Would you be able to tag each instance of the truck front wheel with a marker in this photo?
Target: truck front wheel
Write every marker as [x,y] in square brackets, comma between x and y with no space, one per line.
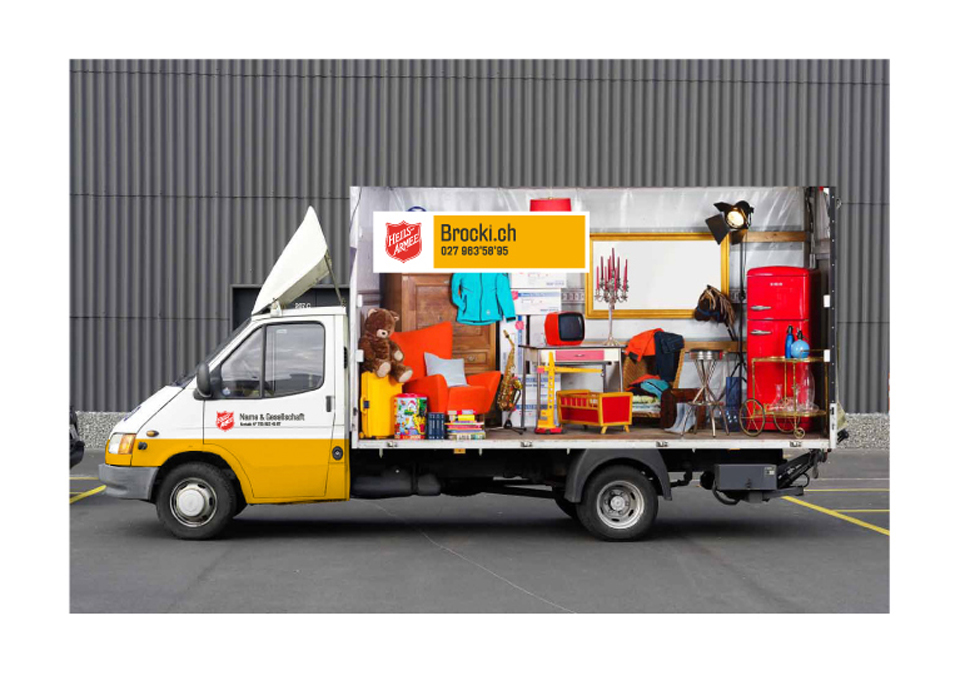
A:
[619,504]
[196,501]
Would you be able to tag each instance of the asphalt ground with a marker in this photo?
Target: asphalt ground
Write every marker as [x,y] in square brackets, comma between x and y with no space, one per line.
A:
[828,551]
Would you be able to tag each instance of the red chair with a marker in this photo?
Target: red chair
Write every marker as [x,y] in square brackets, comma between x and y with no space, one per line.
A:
[438,340]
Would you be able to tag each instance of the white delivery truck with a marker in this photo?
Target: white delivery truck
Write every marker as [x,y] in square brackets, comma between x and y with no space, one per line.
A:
[272,416]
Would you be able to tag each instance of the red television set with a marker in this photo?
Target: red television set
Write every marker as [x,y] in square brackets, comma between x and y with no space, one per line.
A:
[564,328]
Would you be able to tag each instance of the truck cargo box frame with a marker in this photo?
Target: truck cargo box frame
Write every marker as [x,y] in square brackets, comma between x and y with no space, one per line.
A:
[361,299]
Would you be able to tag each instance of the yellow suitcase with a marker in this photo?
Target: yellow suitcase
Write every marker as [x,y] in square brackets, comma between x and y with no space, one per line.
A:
[376,405]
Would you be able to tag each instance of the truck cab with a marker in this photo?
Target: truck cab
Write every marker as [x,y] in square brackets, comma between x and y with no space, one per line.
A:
[261,419]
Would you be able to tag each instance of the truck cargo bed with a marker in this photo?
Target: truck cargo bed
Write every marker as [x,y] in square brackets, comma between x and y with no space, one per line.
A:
[640,437]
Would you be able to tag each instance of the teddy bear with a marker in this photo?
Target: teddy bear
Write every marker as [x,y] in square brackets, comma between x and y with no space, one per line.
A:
[381,355]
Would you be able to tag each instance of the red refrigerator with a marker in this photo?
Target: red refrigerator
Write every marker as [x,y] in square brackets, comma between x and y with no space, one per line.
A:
[777,298]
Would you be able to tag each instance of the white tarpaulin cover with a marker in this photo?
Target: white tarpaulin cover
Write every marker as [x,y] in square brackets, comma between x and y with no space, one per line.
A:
[611,210]
[301,265]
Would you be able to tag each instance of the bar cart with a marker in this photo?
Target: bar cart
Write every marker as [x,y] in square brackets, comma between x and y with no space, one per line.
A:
[754,414]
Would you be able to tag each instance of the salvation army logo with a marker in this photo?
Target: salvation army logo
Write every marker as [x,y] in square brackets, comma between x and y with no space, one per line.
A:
[403,241]
[224,420]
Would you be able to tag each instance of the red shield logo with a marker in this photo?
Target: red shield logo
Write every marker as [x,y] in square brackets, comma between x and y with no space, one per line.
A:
[403,241]
[224,420]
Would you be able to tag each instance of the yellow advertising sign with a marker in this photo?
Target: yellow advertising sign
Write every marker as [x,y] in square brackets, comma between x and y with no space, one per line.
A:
[410,242]
[511,241]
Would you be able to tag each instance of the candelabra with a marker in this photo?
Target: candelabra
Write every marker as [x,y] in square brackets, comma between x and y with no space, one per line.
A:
[611,288]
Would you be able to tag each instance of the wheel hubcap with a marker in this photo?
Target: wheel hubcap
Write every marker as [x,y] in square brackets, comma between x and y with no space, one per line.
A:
[620,505]
[193,502]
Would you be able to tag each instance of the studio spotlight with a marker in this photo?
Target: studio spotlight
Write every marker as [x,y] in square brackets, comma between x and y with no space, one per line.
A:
[731,219]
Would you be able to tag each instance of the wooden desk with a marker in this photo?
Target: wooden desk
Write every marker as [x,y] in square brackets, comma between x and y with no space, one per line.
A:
[586,353]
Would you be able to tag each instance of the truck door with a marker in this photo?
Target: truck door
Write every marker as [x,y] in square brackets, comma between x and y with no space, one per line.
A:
[273,407]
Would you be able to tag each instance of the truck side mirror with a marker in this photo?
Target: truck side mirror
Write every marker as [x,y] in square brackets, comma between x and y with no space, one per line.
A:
[203,381]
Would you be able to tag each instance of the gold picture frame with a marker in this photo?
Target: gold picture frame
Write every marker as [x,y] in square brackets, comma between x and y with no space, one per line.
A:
[601,312]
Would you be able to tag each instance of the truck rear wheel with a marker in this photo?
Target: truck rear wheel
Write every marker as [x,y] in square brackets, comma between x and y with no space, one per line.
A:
[619,504]
[196,501]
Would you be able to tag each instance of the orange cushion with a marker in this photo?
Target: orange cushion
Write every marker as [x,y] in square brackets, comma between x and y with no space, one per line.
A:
[436,339]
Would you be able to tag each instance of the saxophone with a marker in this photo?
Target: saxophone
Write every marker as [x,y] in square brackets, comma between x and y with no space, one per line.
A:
[509,391]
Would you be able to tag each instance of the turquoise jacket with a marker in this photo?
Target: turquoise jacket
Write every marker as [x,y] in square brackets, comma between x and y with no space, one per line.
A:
[482,298]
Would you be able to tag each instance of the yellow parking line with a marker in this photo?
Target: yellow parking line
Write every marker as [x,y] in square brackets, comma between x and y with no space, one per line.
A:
[84,478]
[88,493]
[837,514]
[863,510]
[848,490]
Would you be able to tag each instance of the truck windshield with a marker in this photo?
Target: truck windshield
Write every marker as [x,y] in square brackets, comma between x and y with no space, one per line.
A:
[184,379]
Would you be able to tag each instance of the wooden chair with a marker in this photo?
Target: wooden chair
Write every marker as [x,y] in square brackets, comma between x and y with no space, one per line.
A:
[644,366]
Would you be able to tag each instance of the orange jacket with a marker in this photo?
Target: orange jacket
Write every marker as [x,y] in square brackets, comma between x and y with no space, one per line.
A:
[642,344]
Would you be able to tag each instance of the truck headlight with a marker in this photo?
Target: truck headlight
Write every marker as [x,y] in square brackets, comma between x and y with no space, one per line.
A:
[121,444]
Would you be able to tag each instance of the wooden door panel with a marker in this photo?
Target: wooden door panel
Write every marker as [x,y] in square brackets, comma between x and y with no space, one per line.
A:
[474,360]
[423,300]
[432,305]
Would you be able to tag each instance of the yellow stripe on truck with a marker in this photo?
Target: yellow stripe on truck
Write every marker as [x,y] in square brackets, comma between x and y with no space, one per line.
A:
[269,470]
[117,460]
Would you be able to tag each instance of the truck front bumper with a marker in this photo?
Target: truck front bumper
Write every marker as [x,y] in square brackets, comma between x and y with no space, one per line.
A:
[128,482]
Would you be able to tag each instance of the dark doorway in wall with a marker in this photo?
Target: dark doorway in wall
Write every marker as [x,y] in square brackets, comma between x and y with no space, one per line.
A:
[243,297]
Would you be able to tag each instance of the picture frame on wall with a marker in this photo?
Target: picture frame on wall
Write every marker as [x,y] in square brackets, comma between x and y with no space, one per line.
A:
[667,272]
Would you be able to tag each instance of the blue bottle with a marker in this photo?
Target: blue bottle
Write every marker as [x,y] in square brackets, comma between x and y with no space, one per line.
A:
[788,347]
[800,349]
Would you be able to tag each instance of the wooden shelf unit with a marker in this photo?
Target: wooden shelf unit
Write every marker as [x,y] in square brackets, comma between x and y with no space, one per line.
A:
[423,300]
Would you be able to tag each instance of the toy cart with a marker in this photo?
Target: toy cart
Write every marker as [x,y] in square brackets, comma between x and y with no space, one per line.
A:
[594,409]
[754,414]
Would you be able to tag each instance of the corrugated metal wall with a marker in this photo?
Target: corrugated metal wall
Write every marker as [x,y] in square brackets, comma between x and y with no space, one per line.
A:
[189,176]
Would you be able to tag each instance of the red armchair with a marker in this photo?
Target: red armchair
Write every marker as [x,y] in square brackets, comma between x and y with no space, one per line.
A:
[438,340]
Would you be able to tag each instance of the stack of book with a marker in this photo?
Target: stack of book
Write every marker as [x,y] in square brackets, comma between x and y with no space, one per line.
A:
[462,425]
[435,428]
